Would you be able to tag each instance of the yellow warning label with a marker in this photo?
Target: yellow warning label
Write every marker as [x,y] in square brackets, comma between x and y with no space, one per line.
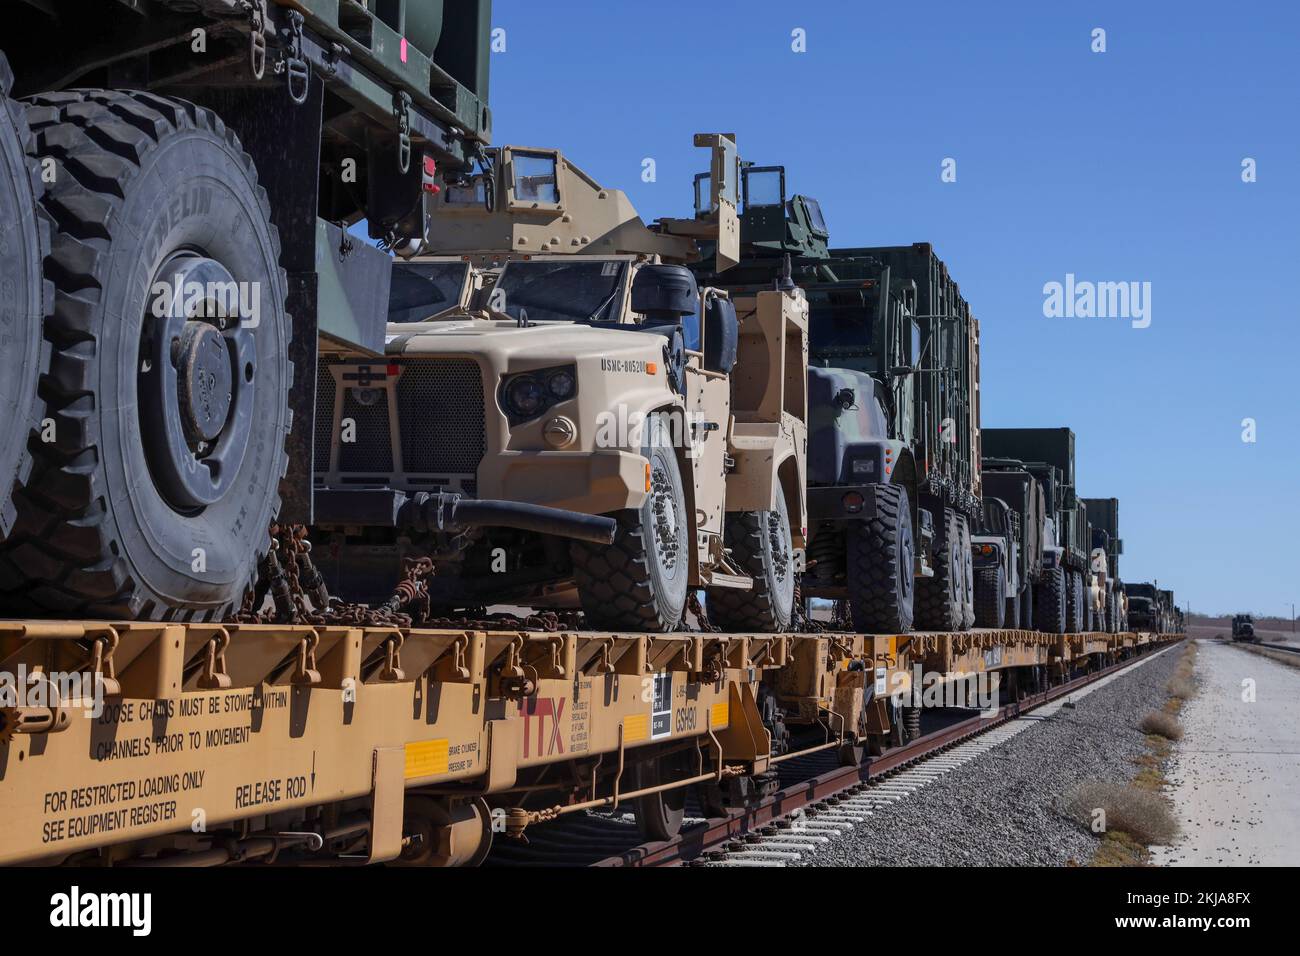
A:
[636,727]
[426,758]
[720,714]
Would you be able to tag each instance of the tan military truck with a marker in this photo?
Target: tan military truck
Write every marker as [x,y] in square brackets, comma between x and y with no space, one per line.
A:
[563,418]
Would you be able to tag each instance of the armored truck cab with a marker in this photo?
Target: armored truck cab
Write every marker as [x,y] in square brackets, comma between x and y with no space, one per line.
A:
[589,428]
[1243,628]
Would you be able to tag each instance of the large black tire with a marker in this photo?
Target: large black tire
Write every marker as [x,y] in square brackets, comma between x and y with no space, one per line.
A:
[1027,607]
[1073,602]
[1049,602]
[991,597]
[639,582]
[939,598]
[761,545]
[881,566]
[25,296]
[968,575]
[1012,617]
[146,186]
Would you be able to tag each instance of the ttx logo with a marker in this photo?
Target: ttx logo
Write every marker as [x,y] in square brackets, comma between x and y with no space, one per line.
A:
[542,708]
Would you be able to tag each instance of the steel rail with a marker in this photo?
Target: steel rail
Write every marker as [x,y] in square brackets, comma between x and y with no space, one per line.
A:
[1289,648]
[693,844]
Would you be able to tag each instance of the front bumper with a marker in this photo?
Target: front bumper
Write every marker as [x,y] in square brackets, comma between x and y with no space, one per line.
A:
[386,508]
[591,482]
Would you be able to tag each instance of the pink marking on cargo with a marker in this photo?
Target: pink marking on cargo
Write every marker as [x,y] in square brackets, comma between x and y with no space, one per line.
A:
[403,49]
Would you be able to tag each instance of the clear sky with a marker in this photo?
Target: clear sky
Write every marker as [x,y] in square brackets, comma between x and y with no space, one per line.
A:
[1115,166]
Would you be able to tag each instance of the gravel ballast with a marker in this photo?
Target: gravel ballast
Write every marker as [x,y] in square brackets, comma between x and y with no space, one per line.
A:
[1001,809]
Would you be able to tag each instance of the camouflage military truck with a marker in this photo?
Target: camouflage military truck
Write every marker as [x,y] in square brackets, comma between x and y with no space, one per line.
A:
[1171,615]
[893,463]
[1034,488]
[1145,608]
[187,171]
[1048,454]
[571,419]
[1243,628]
[1107,546]
[1008,545]
[995,550]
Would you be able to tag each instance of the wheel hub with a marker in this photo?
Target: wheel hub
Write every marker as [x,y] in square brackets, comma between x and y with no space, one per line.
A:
[906,564]
[665,514]
[204,382]
[197,378]
[779,541]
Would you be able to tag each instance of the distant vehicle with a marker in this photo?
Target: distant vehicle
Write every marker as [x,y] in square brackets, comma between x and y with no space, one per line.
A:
[1243,628]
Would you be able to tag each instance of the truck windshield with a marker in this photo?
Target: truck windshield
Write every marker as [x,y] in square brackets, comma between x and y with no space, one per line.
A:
[551,291]
[423,289]
[841,327]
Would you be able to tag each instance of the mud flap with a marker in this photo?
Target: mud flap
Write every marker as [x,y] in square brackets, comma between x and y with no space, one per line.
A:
[387,804]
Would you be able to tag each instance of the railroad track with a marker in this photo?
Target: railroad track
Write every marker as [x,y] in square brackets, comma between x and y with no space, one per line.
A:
[1289,648]
[817,801]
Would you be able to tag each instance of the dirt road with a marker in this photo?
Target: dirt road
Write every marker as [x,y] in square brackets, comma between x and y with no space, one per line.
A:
[1236,772]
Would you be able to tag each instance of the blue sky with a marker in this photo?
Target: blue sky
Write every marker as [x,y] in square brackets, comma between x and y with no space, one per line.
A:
[1115,166]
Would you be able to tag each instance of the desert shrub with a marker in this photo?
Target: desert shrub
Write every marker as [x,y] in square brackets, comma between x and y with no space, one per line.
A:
[1161,724]
[1142,814]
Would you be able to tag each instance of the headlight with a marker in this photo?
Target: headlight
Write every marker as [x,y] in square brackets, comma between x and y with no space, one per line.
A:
[864,466]
[528,395]
[525,397]
[562,385]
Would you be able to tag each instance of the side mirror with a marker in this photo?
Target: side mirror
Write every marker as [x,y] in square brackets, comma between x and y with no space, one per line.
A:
[721,335]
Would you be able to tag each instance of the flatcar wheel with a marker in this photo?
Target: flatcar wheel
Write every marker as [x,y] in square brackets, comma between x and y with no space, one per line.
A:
[659,815]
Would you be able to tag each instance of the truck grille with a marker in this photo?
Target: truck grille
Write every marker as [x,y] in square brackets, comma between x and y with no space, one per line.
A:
[372,452]
[441,418]
[326,391]
[440,406]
